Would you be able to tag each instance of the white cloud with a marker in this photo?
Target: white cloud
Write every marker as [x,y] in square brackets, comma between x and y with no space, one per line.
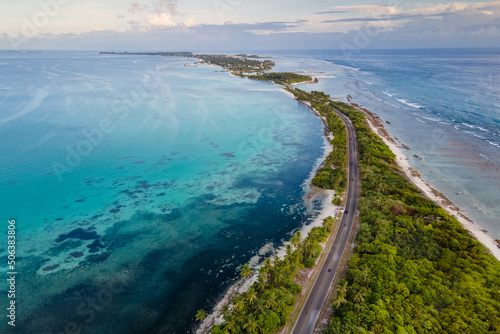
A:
[189,22]
[137,7]
[162,19]
[369,9]
[453,24]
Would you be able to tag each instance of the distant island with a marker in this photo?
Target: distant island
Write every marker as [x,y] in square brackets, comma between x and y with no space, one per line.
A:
[238,63]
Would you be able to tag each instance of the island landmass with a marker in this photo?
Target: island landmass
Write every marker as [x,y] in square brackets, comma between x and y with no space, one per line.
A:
[414,267]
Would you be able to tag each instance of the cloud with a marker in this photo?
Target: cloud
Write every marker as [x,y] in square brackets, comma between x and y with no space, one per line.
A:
[386,18]
[161,19]
[172,8]
[137,7]
[156,13]
[154,27]
[369,9]
[189,22]
[155,7]
[165,6]
[267,28]
[332,12]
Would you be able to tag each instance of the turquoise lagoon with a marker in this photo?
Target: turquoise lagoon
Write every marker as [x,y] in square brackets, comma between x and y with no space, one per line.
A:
[139,185]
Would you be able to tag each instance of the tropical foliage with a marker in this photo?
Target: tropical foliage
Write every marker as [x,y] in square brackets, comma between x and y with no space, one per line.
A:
[282,78]
[266,305]
[236,63]
[333,174]
[415,269]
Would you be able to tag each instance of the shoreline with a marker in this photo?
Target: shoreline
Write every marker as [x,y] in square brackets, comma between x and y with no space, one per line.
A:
[313,81]
[311,193]
[328,209]
[475,230]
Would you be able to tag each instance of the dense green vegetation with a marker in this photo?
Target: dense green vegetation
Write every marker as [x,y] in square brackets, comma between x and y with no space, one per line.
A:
[249,56]
[165,54]
[237,64]
[333,174]
[415,269]
[266,306]
[282,78]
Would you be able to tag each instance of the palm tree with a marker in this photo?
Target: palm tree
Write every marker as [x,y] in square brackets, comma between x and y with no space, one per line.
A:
[239,305]
[259,307]
[339,300]
[382,187]
[295,270]
[297,258]
[225,310]
[230,325]
[246,271]
[296,239]
[260,285]
[201,315]
[364,290]
[366,271]
[306,248]
[359,297]
[252,296]
[240,318]
[267,269]
[252,325]
[377,202]
[278,278]
[271,300]
[289,251]
[342,288]
[287,270]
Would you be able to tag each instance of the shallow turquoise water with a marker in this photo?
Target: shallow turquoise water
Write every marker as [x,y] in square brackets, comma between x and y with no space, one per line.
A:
[139,185]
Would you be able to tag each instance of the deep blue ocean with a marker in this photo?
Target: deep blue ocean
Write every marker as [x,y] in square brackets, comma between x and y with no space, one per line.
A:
[139,184]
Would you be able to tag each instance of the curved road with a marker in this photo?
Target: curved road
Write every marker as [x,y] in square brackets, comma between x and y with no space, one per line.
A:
[309,315]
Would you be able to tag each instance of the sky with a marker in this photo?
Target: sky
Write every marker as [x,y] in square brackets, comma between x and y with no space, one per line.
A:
[238,25]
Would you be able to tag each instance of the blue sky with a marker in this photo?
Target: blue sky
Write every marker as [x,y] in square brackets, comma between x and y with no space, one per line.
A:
[244,25]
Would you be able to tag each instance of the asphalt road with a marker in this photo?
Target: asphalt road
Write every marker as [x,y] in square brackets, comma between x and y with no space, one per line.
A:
[309,315]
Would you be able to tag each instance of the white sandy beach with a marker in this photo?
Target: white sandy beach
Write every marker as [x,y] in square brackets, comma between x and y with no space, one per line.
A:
[476,231]
[329,209]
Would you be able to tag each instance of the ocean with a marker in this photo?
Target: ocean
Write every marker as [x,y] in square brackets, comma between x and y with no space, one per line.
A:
[444,104]
[139,186]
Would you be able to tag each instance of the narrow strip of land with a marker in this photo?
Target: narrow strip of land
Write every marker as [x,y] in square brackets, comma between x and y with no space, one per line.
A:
[309,315]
